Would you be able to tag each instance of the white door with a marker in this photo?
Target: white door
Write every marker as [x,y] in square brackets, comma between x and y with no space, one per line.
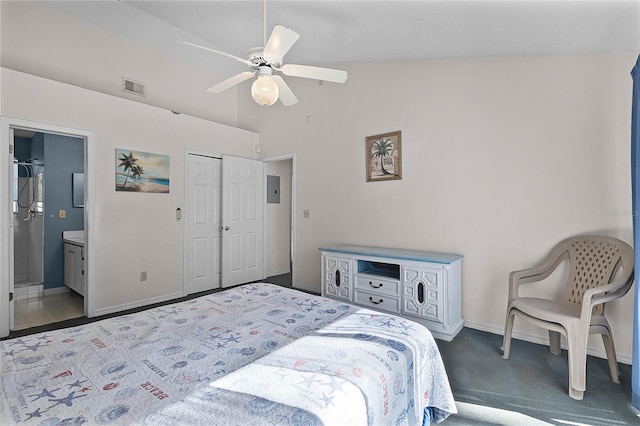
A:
[242,212]
[204,187]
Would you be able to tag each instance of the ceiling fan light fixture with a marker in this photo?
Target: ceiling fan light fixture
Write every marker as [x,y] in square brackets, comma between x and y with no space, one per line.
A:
[264,89]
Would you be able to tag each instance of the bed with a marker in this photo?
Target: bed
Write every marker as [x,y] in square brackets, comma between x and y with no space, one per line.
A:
[257,354]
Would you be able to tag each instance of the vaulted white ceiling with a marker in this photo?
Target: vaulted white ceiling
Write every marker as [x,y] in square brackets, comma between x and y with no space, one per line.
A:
[80,42]
[354,31]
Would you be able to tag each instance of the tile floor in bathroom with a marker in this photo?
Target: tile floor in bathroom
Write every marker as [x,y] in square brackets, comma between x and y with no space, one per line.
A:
[41,310]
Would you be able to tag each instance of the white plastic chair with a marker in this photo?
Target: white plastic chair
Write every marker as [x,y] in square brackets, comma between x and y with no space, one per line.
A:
[600,270]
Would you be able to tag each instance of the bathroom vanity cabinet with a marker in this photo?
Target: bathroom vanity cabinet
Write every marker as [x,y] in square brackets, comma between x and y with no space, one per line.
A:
[74,266]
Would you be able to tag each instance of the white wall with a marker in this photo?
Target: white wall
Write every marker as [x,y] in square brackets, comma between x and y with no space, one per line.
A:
[38,39]
[278,222]
[502,157]
[133,232]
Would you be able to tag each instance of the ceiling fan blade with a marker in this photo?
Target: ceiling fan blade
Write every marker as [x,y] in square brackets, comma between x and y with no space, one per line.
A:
[219,52]
[280,41]
[230,82]
[286,95]
[317,73]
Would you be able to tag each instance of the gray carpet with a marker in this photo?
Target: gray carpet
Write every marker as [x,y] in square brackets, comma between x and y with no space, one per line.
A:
[530,387]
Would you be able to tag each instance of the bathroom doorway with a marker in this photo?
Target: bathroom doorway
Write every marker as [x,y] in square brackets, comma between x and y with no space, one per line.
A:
[47,170]
[8,126]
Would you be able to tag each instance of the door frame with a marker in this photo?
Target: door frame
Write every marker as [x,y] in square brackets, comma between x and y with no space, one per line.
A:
[6,212]
[292,243]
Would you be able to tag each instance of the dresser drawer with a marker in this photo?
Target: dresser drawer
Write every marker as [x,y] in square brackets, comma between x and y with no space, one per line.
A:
[377,285]
[377,301]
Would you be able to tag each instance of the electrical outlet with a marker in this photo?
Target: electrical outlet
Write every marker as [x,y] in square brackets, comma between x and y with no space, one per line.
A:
[143,276]
[305,213]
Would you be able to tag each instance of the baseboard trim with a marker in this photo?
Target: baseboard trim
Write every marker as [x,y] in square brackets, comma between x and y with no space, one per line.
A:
[56,290]
[274,274]
[307,288]
[137,304]
[600,353]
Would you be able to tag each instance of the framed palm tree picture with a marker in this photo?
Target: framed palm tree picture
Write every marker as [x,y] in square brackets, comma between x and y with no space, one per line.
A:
[138,171]
[384,157]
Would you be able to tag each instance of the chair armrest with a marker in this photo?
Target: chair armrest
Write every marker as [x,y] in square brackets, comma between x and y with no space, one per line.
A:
[536,273]
[604,294]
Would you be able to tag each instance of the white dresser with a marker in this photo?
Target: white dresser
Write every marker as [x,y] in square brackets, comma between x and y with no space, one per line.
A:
[420,285]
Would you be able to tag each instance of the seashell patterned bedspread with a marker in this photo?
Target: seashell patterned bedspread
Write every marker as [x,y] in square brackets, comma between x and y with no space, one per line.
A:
[256,354]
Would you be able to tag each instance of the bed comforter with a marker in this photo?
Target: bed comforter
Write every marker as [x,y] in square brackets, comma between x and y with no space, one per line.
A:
[257,354]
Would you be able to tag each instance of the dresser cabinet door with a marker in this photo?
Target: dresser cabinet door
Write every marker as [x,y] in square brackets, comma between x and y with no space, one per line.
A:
[338,277]
[423,292]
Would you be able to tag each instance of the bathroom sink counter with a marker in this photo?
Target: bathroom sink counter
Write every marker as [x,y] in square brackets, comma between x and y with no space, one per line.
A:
[73,237]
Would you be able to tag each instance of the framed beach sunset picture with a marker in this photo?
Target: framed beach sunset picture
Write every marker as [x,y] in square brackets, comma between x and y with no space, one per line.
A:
[138,171]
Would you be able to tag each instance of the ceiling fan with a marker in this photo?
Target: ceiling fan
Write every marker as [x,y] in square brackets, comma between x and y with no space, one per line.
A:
[265,62]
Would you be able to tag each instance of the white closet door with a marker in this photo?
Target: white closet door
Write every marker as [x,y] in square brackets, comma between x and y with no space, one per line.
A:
[242,220]
[203,216]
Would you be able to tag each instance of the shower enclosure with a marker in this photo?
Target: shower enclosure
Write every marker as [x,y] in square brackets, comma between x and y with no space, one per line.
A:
[28,226]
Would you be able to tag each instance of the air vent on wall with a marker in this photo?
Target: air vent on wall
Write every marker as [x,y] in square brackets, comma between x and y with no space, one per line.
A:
[134,87]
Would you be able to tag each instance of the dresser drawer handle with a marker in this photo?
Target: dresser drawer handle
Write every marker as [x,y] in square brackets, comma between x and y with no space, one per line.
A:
[374,302]
[371,284]
[420,292]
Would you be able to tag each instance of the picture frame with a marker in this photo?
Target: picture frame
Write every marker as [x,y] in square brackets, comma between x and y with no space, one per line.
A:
[138,171]
[384,157]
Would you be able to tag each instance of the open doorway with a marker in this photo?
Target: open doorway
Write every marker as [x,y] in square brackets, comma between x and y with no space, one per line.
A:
[44,202]
[279,220]
[47,206]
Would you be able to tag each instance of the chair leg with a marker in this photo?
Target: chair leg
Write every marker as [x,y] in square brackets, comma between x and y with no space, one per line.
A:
[577,354]
[508,330]
[610,349]
[554,342]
